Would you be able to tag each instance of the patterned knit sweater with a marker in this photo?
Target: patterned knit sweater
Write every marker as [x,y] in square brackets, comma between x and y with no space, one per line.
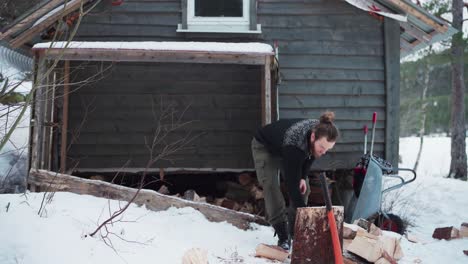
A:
[289,139]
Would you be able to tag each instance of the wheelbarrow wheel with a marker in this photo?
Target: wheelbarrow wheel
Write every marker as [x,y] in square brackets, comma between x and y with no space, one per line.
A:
[390,222]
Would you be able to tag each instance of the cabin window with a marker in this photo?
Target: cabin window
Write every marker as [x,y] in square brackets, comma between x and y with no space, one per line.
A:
[219,16]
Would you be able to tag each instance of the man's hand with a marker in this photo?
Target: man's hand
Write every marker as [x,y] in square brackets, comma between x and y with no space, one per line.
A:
[302,186]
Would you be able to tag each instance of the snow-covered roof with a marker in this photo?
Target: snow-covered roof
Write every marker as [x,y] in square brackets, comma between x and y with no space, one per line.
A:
[210,47]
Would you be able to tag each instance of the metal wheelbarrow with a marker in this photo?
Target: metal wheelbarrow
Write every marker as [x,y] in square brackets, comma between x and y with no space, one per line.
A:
[368,188]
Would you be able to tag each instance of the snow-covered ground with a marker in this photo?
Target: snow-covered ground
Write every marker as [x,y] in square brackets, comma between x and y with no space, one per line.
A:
[144,236]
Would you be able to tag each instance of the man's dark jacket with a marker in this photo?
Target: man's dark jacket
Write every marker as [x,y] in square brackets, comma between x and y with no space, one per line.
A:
[290,140]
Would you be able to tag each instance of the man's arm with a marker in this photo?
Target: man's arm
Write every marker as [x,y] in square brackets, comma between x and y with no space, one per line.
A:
[292,166]
[306,168]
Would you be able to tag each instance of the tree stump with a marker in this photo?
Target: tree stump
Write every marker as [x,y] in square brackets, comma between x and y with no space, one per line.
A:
[312,237]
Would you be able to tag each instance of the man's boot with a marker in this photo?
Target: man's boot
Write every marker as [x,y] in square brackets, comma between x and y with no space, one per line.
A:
[284,240]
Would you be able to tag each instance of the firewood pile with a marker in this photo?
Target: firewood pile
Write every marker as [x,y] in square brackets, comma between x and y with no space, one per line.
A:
[243,194]
[368,242]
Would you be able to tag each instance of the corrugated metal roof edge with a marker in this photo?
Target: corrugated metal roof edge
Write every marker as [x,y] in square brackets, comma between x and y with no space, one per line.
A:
[15,58]
[437,38]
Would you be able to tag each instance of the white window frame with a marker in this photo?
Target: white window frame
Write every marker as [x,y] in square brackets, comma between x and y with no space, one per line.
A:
[219,24]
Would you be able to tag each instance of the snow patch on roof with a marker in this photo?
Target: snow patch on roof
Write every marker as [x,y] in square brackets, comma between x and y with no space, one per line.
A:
[229,47]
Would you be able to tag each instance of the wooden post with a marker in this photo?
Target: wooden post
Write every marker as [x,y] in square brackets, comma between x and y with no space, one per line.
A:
[48,121]
[66,91]
[39,101]
[392,89]
[266,92]
[312,238]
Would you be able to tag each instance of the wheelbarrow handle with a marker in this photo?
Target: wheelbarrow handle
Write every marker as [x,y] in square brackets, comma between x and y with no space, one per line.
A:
[403,182]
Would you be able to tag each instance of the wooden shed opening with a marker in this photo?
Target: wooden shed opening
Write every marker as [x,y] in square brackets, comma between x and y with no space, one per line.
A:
[117,96]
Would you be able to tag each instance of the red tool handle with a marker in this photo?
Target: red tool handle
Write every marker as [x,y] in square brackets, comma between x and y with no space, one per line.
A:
[331,221]
[374,120]
[366,129]
[335,238]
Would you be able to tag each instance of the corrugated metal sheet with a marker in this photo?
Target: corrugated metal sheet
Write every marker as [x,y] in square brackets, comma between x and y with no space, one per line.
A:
[19,61]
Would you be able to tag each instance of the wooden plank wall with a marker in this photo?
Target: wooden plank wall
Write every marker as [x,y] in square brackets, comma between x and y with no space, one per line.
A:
[331,57]
[125,104]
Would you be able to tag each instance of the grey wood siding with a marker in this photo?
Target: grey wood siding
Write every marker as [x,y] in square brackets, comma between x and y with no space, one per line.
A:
[331,57]
[118,111]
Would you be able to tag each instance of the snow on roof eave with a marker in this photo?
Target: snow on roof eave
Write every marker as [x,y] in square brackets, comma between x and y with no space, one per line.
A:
[208,47]
[437,38]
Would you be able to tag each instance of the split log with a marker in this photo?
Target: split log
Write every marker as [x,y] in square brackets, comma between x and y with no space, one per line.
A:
[366,247]
[191,195]
[349,230]
[383,261]
[195,256]
[234,191]
[349,258]
[256,193]
[164,190]
[464,230]
[245,178]
[373,229]
[271,252]
[52,182]
[373,248]
[363,223]
[446,233]
[312,237]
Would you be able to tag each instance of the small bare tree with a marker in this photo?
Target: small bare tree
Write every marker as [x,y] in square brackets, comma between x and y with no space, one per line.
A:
[159,147]
[423,79]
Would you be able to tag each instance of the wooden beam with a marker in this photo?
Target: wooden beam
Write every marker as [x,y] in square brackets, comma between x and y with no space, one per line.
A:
[184,14]
[405,45]
[392,89]
[417,32]
[419,15]
[53,181]
[27,35]
[253,15]
[34,135]
[266,92]
[39,102]
[48,121]
[77,54]
[64,130]
[31,18]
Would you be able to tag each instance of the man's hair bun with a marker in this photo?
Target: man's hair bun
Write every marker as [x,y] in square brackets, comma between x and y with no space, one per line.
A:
[327,117]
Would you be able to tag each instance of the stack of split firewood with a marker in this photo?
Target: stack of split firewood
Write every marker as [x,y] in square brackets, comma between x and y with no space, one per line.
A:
[243,194]
[367,241]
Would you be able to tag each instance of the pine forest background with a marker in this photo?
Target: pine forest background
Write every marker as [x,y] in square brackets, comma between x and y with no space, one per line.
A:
[437,96]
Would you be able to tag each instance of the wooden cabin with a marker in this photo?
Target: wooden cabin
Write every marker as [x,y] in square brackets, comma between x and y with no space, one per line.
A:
[220,68]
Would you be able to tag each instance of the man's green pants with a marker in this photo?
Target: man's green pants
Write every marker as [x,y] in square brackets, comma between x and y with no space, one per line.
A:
[268,167]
